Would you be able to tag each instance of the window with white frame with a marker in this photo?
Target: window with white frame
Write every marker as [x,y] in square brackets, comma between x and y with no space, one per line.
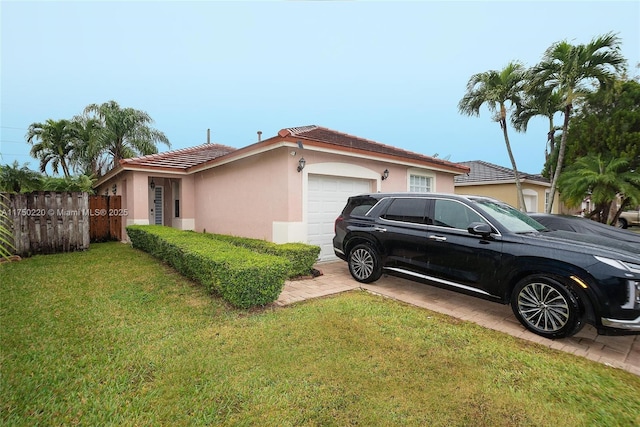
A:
[420,184]
[547,199]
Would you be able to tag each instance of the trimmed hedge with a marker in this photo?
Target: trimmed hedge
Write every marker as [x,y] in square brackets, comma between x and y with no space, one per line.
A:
[242,277]
[301,255]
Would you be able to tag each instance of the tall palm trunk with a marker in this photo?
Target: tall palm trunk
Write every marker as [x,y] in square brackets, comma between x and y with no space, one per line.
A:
[521,203]
[561,150]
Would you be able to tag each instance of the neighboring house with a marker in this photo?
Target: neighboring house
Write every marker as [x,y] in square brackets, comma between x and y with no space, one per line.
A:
[487,179]
[288,188]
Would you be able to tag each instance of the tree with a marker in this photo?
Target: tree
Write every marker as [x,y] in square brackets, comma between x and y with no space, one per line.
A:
[571,71]
[125,132]
[18,179]
[609,122]
[496,89]
[6,234]
[52,143]
[80,183]
[605,179]
[86,157]
[538,101]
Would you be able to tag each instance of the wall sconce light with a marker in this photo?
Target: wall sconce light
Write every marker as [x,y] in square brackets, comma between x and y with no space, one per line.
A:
[114,189]
[301,163]
[153,184]
[385,174]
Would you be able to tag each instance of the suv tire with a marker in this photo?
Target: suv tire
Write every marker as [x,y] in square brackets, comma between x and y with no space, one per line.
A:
[364,263]
[547,307]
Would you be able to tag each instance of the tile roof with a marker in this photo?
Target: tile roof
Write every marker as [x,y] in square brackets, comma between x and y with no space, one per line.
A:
[343,140]
[488,172]
[201,156]
[181,159]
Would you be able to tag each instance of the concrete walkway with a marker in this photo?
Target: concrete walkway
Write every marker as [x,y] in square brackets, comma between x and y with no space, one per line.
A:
[618,351]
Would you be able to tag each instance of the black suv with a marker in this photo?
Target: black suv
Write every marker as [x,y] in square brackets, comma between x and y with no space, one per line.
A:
[486,248]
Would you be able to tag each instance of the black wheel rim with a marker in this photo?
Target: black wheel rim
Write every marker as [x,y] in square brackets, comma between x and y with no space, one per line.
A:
[543,307]
[362,263]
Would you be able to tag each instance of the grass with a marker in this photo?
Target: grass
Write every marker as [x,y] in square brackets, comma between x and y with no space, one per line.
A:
[111,337]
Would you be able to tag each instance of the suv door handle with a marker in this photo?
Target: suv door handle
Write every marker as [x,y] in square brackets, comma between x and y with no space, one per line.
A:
[438,238]
[380,229]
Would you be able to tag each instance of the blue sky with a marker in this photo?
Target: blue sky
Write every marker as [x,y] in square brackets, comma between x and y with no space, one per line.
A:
[392,72]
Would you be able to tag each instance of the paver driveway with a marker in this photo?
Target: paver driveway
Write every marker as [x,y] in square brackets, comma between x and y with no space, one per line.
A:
[619,351]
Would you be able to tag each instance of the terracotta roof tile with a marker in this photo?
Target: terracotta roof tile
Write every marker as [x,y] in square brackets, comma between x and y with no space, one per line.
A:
[321,134]
[181,159]
[486,172]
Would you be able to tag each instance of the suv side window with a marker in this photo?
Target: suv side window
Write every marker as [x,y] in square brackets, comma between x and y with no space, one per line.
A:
[449,213]
[407,210]
[359,206]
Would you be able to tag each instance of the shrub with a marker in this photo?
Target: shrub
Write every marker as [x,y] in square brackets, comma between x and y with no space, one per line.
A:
[242,277]
[301,256]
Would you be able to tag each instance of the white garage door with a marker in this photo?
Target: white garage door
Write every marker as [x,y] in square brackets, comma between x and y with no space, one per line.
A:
[327,196]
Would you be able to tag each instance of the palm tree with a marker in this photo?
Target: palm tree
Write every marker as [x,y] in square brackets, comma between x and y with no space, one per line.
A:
[18,179]
[6,233]
[80,183]
[572,71]
[604,179]
[87,158]
[539,102]
[125,132]
[496,89]
[52,143]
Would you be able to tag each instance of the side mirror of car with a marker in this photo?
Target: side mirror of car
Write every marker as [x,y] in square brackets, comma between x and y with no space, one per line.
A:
[480,228]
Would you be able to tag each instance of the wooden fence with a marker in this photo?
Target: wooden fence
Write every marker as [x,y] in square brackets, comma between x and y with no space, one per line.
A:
[106,219]
[50,222]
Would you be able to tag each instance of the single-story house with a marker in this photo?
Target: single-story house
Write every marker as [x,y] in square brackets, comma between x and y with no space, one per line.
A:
[487,179]
[287,188]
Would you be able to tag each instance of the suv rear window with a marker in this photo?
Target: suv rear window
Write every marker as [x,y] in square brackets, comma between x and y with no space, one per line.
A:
[359,206]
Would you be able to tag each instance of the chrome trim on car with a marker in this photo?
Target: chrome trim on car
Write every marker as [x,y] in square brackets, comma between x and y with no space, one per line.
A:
[629,325]
[436,279]
[338,250]
[633,296]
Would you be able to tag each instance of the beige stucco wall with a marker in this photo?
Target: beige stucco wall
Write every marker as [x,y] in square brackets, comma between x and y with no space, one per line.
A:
[507,192]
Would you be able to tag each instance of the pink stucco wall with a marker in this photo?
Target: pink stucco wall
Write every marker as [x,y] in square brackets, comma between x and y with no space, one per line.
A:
[398,174]
[245,197]
[248,196]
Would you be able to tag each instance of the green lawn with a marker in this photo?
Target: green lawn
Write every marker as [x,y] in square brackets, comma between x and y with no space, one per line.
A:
[111,337]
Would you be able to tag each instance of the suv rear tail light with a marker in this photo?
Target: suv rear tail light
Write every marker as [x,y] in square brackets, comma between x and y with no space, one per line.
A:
[335,224]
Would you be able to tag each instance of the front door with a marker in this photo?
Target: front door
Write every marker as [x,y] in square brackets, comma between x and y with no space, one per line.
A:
[157,202]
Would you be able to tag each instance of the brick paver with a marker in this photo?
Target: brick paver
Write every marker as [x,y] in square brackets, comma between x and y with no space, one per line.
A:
[621,352]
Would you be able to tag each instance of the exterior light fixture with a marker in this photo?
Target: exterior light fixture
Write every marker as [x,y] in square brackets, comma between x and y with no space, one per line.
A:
[301,163]
[385,174]
[153,184]
[114,189]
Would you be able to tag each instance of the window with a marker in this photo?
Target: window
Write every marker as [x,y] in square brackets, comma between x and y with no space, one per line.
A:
[359,206]
[530,200]
[449,213]
[407,210]
[547,200]
[420,184]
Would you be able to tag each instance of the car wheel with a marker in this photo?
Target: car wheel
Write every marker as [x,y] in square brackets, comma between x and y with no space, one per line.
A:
[622,223]
[364,264]
[547,307]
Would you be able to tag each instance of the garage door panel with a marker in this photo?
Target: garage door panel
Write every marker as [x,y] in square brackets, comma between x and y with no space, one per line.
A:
[327,196]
